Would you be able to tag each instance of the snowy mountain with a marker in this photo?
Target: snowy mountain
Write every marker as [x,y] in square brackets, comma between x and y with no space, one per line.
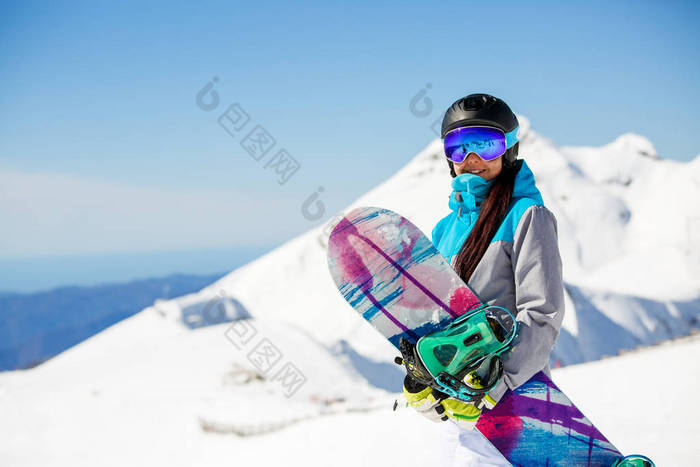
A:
[629,233]
[166,386]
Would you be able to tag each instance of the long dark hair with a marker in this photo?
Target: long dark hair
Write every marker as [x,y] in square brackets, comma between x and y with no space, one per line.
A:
[492,212]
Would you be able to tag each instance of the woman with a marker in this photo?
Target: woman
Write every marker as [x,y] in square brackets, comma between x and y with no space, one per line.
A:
[502,241]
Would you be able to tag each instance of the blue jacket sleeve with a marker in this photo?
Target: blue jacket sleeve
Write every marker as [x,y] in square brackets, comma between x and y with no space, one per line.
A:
[436,234]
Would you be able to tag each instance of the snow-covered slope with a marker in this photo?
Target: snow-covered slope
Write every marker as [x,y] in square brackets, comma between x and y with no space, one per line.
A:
[617,395]
[629,239]
[141,402]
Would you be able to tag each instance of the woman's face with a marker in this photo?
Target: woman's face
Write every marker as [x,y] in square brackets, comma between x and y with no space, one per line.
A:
[489,169]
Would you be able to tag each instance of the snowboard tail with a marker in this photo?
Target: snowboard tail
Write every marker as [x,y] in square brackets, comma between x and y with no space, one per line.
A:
[538,421]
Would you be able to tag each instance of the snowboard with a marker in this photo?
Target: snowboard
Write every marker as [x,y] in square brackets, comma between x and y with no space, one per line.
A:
[393,275]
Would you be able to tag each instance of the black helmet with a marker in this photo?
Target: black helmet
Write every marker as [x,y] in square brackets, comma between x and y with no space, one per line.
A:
[481,109]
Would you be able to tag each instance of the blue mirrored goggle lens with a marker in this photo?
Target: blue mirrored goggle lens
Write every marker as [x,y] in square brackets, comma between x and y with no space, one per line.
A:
[488,143]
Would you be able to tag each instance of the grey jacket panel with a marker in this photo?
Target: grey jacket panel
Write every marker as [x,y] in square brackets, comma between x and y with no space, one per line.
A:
[525,277]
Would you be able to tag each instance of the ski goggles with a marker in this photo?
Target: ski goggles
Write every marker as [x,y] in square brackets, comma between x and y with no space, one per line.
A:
[487,142]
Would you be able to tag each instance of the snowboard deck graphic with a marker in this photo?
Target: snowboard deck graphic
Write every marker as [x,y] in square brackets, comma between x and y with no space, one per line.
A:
[396,279]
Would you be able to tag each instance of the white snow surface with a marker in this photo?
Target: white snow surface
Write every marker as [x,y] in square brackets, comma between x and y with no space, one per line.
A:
[152,391]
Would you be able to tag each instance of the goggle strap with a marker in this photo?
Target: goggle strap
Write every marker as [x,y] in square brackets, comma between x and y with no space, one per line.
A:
[512,137]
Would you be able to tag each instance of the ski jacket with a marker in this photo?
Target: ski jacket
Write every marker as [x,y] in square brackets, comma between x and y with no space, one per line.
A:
[521,269]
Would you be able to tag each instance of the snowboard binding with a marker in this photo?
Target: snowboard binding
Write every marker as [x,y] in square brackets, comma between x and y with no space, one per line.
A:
[635,460]
[463,359]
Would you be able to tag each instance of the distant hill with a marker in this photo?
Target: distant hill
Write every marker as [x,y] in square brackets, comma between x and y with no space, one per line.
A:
[37,326]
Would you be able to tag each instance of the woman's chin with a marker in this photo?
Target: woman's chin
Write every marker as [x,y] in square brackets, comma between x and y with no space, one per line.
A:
[482,175]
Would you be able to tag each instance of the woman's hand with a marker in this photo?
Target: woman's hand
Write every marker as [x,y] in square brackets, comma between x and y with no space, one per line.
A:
[437,407]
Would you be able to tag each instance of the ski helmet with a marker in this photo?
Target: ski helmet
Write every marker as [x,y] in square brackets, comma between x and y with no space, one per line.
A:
[481,109]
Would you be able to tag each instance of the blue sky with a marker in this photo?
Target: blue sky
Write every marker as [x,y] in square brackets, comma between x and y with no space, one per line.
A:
[104,150]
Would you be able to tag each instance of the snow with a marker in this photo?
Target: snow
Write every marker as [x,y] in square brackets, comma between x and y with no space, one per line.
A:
[643,401]
[147,409]
[152,390]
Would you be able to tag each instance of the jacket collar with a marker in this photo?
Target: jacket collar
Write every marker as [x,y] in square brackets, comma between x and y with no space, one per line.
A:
[469,190]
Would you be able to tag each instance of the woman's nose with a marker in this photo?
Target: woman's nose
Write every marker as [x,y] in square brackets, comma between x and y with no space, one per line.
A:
[471,155]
